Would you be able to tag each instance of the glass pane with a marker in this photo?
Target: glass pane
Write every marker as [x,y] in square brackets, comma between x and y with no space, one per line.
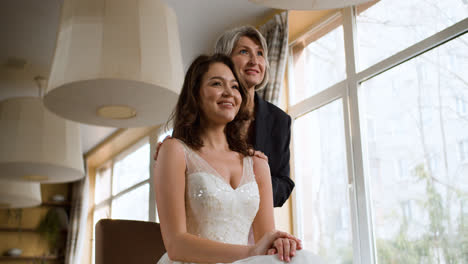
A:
[103,185]
[319,65]
[132,169]
[124,206]
[100,213]
[418,176]
[390,26]
[321,183]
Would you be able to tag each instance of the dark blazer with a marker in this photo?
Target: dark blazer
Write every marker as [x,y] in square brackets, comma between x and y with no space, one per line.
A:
[272,137]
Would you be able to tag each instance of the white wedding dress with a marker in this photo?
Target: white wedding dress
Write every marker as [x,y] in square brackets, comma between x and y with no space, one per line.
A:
[218,212]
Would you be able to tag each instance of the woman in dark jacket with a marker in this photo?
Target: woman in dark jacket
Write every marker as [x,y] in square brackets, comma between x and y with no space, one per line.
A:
[269,128]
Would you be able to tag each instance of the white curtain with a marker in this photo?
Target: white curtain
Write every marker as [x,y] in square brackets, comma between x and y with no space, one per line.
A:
[77,225]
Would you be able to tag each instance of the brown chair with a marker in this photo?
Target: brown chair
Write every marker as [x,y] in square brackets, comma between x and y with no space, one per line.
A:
[127,241]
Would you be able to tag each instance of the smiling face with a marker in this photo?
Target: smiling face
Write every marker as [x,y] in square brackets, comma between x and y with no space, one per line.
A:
[220,98]
[249,60]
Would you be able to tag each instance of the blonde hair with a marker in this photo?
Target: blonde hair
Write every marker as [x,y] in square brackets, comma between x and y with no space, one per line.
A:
[228,41]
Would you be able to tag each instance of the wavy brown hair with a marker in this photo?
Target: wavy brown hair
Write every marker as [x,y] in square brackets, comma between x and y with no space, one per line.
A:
[187,113]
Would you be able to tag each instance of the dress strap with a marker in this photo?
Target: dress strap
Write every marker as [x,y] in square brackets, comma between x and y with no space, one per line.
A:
[195,163]
[192,160]
[248,170]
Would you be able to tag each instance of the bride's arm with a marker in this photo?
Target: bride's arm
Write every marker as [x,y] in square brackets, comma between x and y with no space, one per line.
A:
[169,183]
[264,220]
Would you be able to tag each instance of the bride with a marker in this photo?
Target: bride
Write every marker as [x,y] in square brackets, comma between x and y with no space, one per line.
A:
[210,189]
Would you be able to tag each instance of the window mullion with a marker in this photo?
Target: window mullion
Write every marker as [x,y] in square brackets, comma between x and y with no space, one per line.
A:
[111,188]
[320,99]
[359,194]
[297,203]
[153,141]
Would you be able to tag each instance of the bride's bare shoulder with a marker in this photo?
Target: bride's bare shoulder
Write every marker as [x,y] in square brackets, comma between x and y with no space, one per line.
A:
[172,147]
[261,168]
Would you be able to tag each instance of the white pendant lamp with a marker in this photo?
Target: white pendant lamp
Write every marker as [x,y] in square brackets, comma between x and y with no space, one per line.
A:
[19,194]
[37,145]
[117,63]
[308,4]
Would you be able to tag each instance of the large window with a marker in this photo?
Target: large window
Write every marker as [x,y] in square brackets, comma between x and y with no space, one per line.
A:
[422,107]
[379,135]
[124,182]
[324,56]
[389,27]
[322,183]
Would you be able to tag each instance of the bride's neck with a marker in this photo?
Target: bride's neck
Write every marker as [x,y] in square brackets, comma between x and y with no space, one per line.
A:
[214,138]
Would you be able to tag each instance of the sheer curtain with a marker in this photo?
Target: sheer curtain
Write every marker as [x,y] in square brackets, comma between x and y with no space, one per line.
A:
[276,34]
[77,225]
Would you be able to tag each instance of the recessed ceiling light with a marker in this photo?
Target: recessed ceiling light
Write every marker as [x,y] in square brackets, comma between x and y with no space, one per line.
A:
[35,178]
[116,112]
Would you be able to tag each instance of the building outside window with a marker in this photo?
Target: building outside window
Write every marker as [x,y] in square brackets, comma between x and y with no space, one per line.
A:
[392,61]
[402,169]
[463,150]
[462,109]
[406,208]
[464,214]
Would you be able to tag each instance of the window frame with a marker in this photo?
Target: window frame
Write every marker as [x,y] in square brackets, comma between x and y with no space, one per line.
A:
[364,247]
[110,165]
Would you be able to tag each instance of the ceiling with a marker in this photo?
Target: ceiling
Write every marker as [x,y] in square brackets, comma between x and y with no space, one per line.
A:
[29,28]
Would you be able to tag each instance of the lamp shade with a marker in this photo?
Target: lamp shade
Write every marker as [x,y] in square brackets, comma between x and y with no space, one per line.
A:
[117,63]
[37,145]
[308,4]
[15,194]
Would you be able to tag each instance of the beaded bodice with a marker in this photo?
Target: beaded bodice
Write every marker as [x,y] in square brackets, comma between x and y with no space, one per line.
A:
[215,210]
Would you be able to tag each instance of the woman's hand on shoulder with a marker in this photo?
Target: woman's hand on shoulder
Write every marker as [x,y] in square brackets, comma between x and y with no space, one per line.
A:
[261,155]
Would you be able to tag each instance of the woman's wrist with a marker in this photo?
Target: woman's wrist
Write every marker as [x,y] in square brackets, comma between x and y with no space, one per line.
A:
[252,251]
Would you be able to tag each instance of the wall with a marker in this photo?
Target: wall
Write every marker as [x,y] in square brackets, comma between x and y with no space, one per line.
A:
[302,21]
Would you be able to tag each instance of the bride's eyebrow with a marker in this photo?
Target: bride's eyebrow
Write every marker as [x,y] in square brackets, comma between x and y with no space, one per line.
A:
[223,79]
[216,78]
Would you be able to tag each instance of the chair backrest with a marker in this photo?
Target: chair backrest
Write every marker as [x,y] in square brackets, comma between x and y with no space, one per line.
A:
[127,241]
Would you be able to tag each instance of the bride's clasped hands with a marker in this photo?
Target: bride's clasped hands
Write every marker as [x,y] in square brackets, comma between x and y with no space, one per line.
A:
[278,243]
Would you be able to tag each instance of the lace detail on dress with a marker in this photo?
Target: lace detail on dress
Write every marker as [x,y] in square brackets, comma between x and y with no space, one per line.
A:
[215,210]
